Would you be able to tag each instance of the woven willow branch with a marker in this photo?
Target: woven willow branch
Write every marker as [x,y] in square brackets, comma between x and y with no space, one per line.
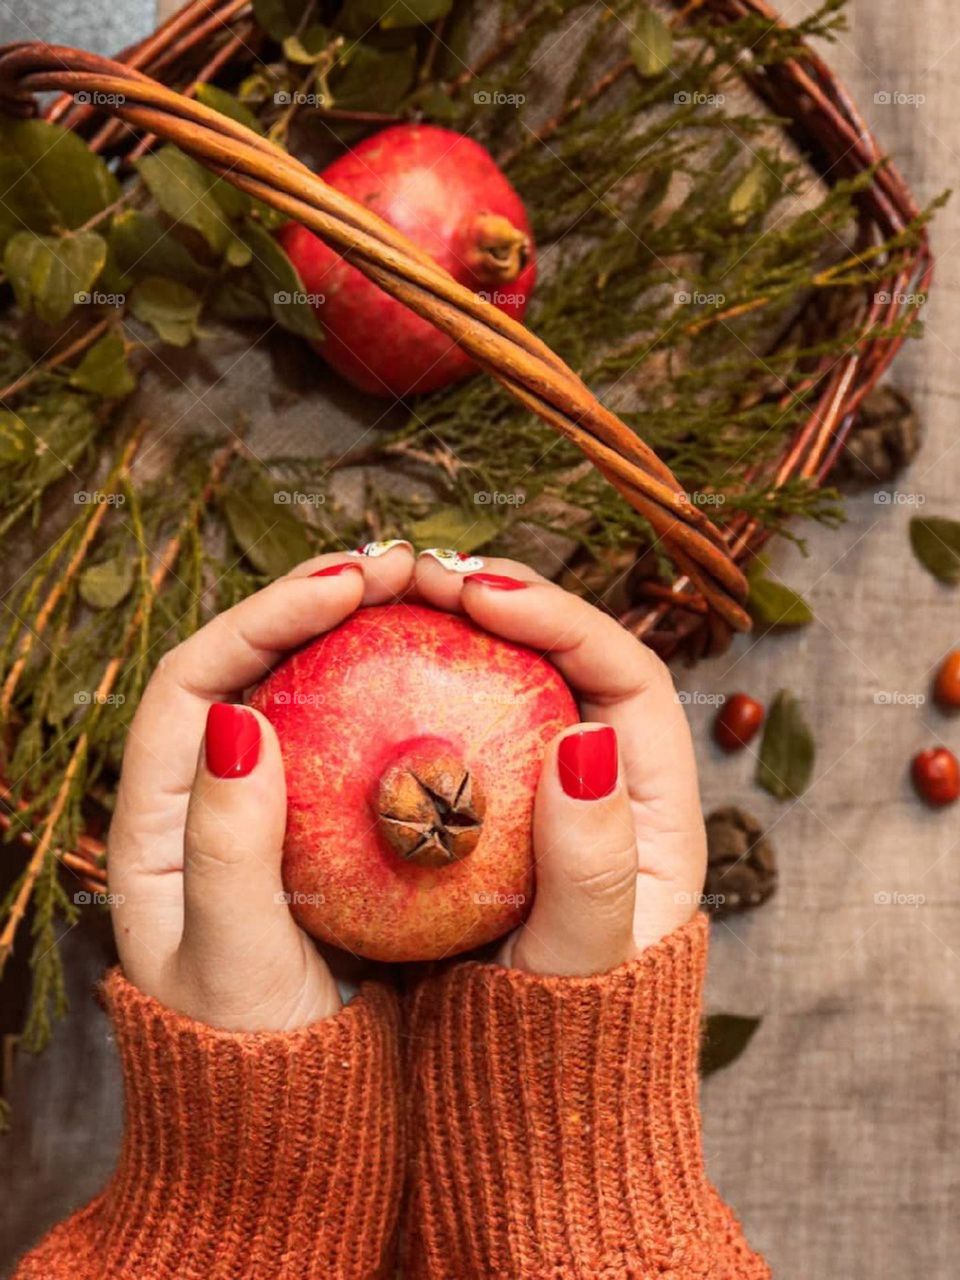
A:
[501,346]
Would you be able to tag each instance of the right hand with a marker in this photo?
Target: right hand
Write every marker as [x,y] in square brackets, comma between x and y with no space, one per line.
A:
[619,840]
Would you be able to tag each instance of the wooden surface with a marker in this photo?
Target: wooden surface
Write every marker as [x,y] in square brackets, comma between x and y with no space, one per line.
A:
[835,1136]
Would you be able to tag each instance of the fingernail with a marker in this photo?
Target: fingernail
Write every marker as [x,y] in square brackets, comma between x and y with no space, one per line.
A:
[455,561]
[332,570]
[587,763]
[498,580]
[232,740]
[374,549]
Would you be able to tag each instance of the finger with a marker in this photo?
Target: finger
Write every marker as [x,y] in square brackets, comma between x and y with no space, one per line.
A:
[387,568]
[606,665]
[581,921]
[237,924]
[439,575]
[146,835]
[234,650]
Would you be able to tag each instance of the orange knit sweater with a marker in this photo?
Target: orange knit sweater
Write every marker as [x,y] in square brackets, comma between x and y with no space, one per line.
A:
[552,1133]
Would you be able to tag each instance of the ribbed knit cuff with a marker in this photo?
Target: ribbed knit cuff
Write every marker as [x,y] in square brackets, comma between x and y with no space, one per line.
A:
[555,1128]
[254,1155]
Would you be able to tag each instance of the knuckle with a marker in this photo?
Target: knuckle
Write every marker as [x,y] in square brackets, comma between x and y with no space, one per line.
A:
[208,855]
[656,673]
[607,883]
[168,668]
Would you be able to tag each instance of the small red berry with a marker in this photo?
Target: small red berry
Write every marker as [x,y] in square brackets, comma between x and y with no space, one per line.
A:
[946,688]
[737,721]
[936,775]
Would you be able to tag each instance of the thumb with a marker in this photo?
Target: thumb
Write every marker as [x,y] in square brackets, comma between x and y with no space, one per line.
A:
[585,848]
[233,843]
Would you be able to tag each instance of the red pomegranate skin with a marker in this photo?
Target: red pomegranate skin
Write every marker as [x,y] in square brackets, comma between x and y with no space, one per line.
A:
[349,705]
[429,183]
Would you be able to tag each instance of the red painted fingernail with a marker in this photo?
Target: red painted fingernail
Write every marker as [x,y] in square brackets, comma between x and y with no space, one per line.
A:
[232,740]
[498,580]
[587,763]
[332,570]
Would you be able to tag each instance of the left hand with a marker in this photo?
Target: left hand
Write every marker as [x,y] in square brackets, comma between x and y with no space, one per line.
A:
[195,847]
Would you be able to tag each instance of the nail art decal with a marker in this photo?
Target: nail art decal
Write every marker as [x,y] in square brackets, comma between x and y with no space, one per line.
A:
[455,561]
[374,549]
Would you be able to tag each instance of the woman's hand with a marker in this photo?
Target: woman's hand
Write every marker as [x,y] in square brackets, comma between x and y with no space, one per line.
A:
[200,916]
[618,830]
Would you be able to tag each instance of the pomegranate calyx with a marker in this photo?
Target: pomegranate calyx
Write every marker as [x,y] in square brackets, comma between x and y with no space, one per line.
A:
[496,250]
[430,809]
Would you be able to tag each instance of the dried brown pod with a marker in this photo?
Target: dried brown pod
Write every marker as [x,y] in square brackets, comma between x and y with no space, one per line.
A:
[741,864]
[885,438]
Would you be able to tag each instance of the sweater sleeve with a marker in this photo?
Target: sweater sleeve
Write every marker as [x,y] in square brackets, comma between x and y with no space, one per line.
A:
[555,1126]
[273,1156]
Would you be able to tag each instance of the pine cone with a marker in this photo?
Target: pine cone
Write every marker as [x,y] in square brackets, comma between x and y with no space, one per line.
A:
[884,439]
[741,864]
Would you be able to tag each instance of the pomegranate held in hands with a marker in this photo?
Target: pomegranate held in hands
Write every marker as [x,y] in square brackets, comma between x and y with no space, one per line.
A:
[445,192]
[412,743]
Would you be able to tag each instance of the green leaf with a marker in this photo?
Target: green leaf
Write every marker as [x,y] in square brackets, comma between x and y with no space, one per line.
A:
[651,45]
[105,585]
[454,527]
[309,47]
[748,197]
[787,752]
[435,105]
[16,442]
[267,216]
[774,605]
[279,18]
[170,308]
[143,246]
[373,79]
[227,105]
[50,178]
[233,301]
[936,544]
[48,272]
[358,16]
[415,13]
[104,369]
[58,428]
[234,202]
[725,1036]
[268,532]
[185,191]
[239,253]
[282,287]
[257,88]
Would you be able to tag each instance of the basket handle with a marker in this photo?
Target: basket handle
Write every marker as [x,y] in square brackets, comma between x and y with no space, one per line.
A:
[509,351]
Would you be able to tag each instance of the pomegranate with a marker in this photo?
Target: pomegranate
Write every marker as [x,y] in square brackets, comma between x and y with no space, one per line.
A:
[445,192]
[412,743]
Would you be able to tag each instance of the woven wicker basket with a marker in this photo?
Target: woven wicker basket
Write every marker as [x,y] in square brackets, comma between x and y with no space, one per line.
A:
[149,89]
